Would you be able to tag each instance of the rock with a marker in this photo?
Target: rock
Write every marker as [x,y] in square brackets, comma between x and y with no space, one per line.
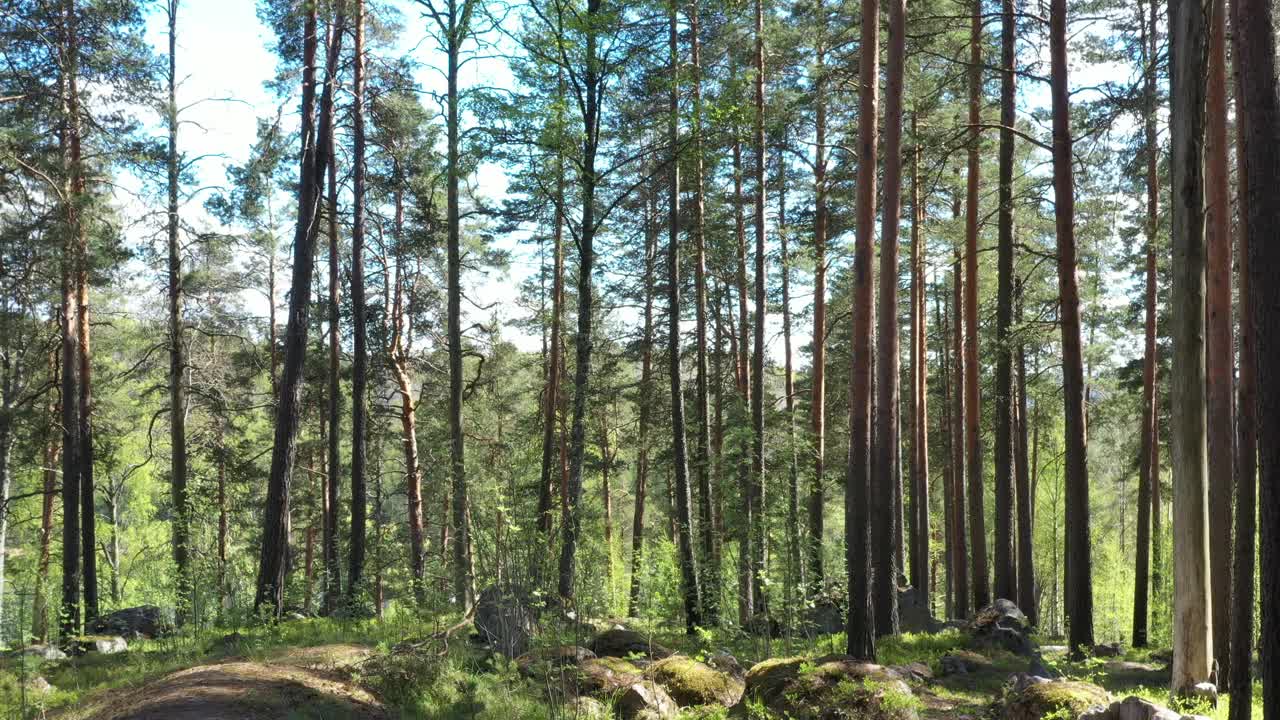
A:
[626,643]
[825,618]
[646,701]
[48,653]
[817,689]
[1207,691]
[110,645]
[1054,649]
[1135,708]
[538,661]
[914,615]
[587,708]
[1108,650]
[1038,668]
[916,671]
[504,619]
[143,621]
[1021,681]
[603,675]
[1063,697]
[963,661]
[100,644]
[39,685]
[765,625]
[726,663]
[1135,673]
[690,682]
[1001,625]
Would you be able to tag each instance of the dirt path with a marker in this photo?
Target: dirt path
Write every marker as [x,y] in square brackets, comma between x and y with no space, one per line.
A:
[303,683]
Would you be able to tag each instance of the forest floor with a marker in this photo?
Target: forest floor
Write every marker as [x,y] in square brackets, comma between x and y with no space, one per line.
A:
[400,668]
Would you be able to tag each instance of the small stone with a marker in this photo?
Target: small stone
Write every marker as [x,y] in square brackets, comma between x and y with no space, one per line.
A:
[916,671]
[110,646]
[1207,691]
[39,685]
[726,663]
[48,653]
[646,701]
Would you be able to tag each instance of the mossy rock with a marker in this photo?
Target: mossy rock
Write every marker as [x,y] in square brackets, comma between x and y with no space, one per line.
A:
[603,675]
[540,661]
[1058,698]
[619,642]
[833,687]
[690,682]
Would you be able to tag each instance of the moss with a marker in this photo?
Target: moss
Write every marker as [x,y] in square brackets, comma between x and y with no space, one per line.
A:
[690,682]
[832,686]
[603,675]
[1066,697]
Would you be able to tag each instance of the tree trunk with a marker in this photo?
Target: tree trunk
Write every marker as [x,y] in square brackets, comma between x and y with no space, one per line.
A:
[463,572]
[973,414]
[359,324]
[942,313]
[885,491]
[1220,345]
[646,400]
[74,185]
[1260,119]
[332,569]
[861,618]
[1079,583]
[757,487]
[40,606]
[272,566]
[794,577]
[1026,498]
[399,354]
[680,462]
[1149,461]
[710,581]
[818,402]
[592,87]
[961,560]
[1240,675]
[746,577]
[1192,628]
[177,348]
[1006,568]
[920,553]
[555,362]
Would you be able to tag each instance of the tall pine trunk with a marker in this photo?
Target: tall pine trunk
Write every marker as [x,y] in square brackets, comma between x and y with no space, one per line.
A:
[818,401]
[1219,340]
[332,571]
[1004,557]
[679,451]
[1079,585]
[1260,113]
[1192,626]
[707,520]
[592,88]
[886,492]
[1149,461]
[646,399]
[359,324]
[757,486]
[973,414]
[1240,676]
[272,566]
[860,631]
[177,346]
[921,576]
